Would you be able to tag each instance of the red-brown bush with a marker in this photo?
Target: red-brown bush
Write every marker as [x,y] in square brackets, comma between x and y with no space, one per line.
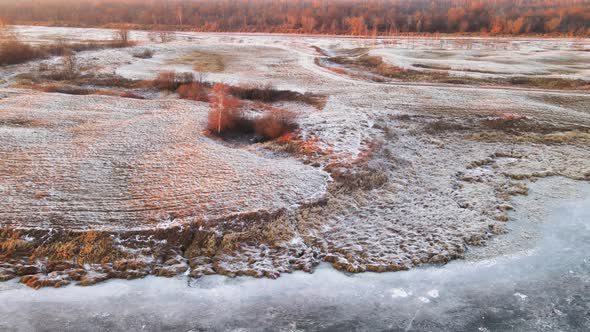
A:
[339,71]
[171,80]
[275,123]
[193,91]
[132,95]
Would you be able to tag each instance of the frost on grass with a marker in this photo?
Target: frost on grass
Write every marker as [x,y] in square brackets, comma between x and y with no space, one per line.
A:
[418,173]
[115,163]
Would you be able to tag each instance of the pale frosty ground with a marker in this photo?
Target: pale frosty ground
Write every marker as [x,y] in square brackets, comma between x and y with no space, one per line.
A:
[124,163]
[533,279]
[427,210]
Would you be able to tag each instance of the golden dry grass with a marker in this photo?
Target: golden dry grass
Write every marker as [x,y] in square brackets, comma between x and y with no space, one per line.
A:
[202,61]
[561,137]
[11,243]
[86,247]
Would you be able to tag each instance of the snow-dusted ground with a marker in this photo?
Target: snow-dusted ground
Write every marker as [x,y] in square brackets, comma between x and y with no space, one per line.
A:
[530,60]
[263,57]
[85,162]
[533,279]
[438,192]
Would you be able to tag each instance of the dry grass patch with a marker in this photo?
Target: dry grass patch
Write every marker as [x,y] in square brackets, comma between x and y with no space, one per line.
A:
[376,65]
[207,62]
[83,91]
[87,247]
[561,137]
[11,243]
[22,122]
[293,143]
[567,137]
[470,70]
[145,54]
[440,126]
[431,66]
[550,82]
[511,127]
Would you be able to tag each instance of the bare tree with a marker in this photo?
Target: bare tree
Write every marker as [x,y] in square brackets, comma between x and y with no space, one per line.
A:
[165,36]
[161,36]
[122,35]
[224,108]
[69,65]
[200,77]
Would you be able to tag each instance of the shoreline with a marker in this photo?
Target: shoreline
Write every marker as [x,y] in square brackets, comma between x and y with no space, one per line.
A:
[463,295]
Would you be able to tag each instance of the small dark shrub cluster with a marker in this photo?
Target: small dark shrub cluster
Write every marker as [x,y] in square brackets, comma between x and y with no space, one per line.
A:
[111,81]
[273,124]
[518,124]
[441,126]
[269,94]
[14,52]
[230,123]
[184,84]
[67,89]
[132,95]
[370,61]
[194,91]
[170,80]
[83,91]
[145,54]
[263,93]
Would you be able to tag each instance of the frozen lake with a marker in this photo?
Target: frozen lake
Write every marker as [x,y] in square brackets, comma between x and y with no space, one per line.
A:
[537,277]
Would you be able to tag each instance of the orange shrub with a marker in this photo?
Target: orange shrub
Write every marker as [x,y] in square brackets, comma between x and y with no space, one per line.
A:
[338,70]
[193,91]
[275,123]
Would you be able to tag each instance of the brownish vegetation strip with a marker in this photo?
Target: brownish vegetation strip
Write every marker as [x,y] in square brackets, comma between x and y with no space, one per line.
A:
[511,128]
[63,79]
[376,66]
[43,258]
[13,51]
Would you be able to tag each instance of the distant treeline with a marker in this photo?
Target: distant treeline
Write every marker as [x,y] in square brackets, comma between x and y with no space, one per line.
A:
[359,18]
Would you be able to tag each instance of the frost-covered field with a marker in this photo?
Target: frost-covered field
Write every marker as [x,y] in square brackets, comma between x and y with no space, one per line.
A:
[86,162]
[531,59]
[409,173]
